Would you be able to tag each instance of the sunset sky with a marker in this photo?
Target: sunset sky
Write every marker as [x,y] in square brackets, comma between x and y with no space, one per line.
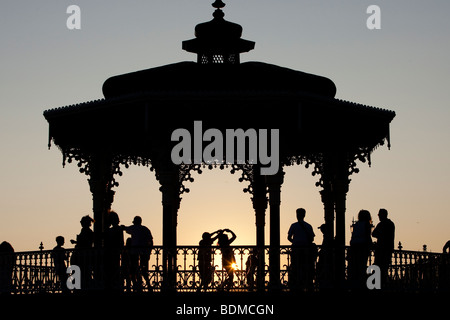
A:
[403,67]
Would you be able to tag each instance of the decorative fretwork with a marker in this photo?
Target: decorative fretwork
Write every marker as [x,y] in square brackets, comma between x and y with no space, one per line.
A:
[315,159]
[85,161]
[75,155]
[247,175]
[325,165]
[363,155]
[185,174]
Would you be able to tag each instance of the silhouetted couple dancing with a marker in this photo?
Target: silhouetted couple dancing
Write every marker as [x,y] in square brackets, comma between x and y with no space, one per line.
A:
[205,257]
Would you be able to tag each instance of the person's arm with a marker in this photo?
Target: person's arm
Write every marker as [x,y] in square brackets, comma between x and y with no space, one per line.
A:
[376,231]
[446,246]
[126,229]
[290,235]
[311,233]
[217,233]
[150,239]
[233,235]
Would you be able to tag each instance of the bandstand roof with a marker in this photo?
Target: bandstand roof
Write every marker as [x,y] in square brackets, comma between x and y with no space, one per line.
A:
[141,109]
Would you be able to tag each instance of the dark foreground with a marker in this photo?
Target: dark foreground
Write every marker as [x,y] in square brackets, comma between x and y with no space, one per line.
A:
[222,305]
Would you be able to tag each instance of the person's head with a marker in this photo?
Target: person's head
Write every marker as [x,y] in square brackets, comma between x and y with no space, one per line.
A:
[325,229]
[137,221]
[113,218]
[301,214]
[60,240]
[364,215]
[6,247]
[86,221]
[382,214]
[223,239]
[206,236]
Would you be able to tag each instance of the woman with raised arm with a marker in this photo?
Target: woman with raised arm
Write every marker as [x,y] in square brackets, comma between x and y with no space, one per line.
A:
[228,260]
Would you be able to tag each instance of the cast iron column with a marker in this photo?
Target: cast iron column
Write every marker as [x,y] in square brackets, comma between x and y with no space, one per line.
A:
[259,200]
[340,184]
[100,184]
[274,183]
[327,263]
[170,201]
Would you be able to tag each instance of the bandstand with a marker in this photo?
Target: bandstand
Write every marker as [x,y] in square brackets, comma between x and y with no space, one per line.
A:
[134,122]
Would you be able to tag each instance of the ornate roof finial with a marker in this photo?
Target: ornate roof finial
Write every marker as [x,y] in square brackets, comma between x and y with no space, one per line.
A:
[218,4]
[218,40]
[218,13]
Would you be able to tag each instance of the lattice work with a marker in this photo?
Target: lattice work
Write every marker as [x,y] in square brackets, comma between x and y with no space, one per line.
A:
[218,59]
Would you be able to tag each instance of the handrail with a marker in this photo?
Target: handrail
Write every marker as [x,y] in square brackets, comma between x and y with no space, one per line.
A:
[38,271]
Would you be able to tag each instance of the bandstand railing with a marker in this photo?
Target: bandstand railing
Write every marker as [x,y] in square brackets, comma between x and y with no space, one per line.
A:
[36,272]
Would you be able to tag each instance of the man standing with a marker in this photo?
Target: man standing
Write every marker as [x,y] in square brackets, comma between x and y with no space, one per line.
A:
[384,232]
[301,235]
[141,246]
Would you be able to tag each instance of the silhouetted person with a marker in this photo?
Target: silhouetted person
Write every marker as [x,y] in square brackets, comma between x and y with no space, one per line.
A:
[204,258]
[113,243]
[301,235]
[85,239]
[59,257]
[83,255]
[444,268]
[126,265]
[7,262]
[446,248]
[384,232]
[360,245]
[141,247]
[228,260]
[250,269]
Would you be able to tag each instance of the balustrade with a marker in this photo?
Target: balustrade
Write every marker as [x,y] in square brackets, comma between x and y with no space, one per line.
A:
[35,272]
